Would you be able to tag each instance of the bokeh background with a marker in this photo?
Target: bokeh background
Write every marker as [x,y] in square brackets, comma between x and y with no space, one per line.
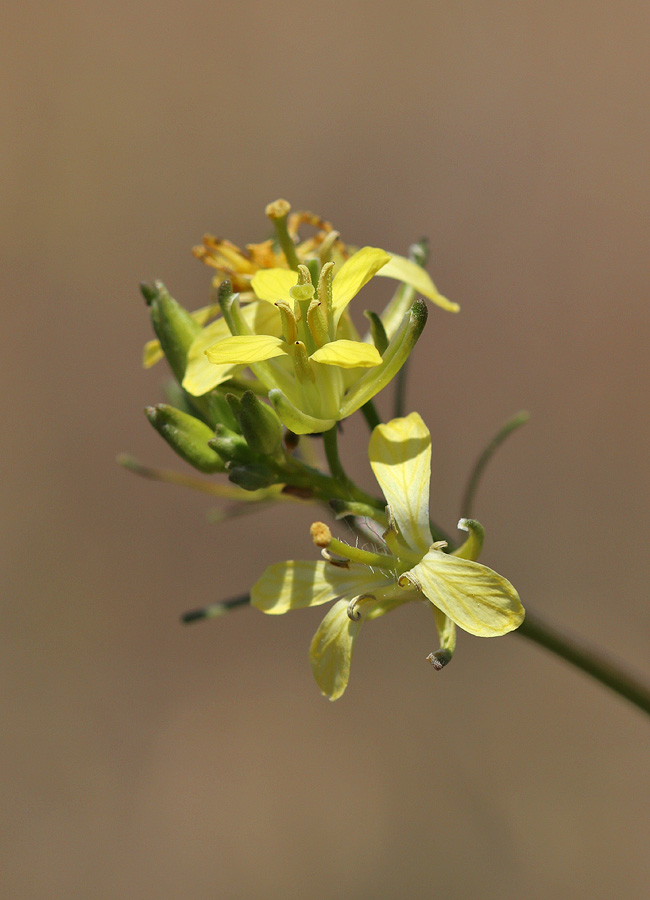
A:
[146,760]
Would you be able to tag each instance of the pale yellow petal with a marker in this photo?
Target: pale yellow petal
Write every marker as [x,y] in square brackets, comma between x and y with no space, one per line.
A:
[354,273]
[200,374]
[274,284]
[331,650]
[411,273]
[475,597]
[246,349]
[151,353]
[400,456]
[347,354]
[297,584]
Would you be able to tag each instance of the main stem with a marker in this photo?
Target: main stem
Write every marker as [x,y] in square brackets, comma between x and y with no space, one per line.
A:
[591,660]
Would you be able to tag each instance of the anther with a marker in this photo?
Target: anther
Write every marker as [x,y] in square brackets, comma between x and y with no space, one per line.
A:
[320,534]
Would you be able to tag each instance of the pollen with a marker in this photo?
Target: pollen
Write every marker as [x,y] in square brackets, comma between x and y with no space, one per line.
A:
[320,534]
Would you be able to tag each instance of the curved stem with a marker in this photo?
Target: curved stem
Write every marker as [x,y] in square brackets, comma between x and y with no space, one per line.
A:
[590,659]
[470,491]
[331,446]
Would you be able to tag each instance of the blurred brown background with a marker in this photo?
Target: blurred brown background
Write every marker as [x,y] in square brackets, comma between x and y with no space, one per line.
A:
[144,760]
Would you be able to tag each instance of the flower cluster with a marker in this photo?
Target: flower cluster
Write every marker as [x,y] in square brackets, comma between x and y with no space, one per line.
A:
[262,378]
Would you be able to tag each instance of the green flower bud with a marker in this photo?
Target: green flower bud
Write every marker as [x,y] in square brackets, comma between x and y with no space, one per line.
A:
[187,436]
[230,446]
[174,326]
[260,425]
[253,476]
[218,409]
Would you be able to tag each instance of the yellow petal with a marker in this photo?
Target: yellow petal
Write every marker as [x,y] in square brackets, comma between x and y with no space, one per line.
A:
[297,584]
[354,273]
[347,354]
[475,597]
[274,284]
[246,349]
[411,273]
[151,353]
[331,650]
[400,456]
[200,374]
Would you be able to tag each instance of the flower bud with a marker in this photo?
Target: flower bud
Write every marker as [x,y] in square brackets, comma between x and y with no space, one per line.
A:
[260,425]
[231,447]
[218,409]
[253,476]
[174,326]
[187,436]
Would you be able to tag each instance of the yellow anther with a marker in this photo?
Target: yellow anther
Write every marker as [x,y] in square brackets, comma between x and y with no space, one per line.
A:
[320,534]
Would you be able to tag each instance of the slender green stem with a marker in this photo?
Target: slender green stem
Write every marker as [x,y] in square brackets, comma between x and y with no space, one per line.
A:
[214,610]
[324,488]
[370,414]
[331,446]
[590,659]
[472,485]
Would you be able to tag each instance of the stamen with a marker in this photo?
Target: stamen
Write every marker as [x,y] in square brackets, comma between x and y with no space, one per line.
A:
[317,323]
[301,364]
[304,275]
[289,324]
[322,537]
[325,292]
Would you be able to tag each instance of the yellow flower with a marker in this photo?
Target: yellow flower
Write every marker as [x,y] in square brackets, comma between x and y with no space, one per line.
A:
[264,269]
[405,567]
[312,372]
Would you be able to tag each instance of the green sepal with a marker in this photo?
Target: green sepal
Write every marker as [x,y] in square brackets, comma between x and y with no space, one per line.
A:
[259,424]
[227,300]
[397,352]
[253,476]
[377,331]
[174,326]
[231,447]
[404,295]
[218,409]
[148,291]
[295,419]
[187,436]
[343,508]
